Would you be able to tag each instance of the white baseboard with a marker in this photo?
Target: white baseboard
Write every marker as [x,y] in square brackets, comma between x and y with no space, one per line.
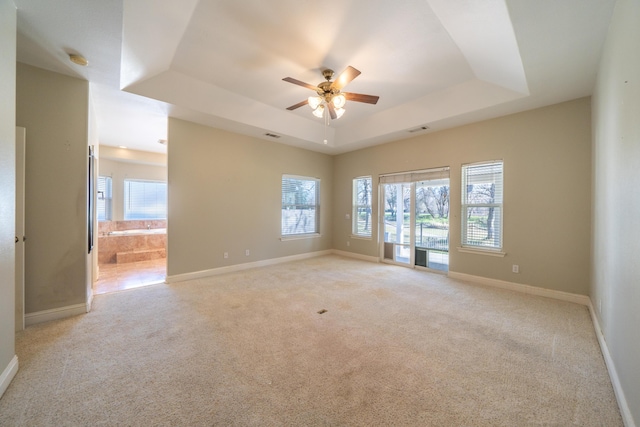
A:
[518,287]
[55,314]
[240,267]
[89,302]
[8,374]
[625,412]
[356,256]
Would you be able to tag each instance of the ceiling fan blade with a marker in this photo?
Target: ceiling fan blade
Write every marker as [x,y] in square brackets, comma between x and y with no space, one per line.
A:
[299,83]
[332,110]
[345,77]
[298,105]
[359,97]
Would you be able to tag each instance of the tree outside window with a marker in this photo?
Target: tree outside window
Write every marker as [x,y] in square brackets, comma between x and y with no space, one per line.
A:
[300,207]
[362,206]
[482,186]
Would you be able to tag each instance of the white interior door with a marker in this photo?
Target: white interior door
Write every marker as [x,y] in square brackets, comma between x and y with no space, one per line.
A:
[20,234]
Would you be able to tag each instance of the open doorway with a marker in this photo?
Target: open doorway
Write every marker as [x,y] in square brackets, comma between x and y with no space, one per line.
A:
[415,220]
[131,206]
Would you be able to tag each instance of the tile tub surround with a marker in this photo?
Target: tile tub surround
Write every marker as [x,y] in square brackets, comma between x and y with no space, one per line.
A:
[104,227]
[131,248]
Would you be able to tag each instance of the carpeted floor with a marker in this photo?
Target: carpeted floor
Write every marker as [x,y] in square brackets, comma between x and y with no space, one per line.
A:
[395,347]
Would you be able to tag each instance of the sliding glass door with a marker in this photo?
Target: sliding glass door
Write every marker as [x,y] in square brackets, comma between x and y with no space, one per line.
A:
[415,220]
[432,224]
[397,222]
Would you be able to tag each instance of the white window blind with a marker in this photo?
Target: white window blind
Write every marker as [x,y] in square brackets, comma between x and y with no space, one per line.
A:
[361,214]
[145,199]
[104,205]
[482,191]
[300,205]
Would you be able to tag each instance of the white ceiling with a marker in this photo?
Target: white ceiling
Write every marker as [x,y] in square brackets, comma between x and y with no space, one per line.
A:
[439,63]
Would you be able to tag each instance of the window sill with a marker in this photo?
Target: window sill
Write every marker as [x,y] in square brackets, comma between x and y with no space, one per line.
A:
[300,236]
[478,251]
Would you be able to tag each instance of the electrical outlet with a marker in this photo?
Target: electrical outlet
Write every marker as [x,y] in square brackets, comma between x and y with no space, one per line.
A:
[226,255]
[348,243]
[347,216]
[246,252]
[515,268]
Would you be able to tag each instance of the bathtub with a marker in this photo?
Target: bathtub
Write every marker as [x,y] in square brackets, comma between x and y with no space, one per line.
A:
[137,232]
[133,245]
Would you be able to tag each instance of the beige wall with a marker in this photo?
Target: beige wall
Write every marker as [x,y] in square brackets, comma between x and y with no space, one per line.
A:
[225,195]
[615,290]
[7,187]
[135,156]
[119,171]
[547,156]
[54,110]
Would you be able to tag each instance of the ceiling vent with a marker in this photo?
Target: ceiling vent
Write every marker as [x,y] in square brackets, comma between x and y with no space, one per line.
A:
[418,129]
[272,135]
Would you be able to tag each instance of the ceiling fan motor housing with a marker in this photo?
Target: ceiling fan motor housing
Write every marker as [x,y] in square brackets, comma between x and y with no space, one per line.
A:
[324,89]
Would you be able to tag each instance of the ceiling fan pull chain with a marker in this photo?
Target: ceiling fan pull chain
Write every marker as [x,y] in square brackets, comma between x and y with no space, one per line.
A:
[326,123]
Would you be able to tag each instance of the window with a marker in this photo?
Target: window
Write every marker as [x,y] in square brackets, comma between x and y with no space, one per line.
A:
[145,199]
[300,206]
[482,205]
[104,206]
[362,207]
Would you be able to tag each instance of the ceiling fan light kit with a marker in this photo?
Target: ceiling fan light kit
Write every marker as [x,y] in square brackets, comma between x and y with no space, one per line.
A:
[339,100]
[329,96]
[317,104]
[318,111]
[314,102]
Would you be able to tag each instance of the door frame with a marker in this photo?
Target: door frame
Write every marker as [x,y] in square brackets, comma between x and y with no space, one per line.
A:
[411,178]
[20,227]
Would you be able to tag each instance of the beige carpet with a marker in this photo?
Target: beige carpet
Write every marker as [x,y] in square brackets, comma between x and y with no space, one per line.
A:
[394,347]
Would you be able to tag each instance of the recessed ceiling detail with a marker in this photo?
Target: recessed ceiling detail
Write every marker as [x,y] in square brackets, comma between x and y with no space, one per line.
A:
[220,62]
[421,59]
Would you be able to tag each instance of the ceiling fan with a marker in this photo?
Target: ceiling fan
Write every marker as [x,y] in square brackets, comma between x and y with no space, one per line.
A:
[329,95]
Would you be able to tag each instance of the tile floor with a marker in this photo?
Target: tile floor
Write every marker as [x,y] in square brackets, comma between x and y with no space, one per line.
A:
[117,277]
